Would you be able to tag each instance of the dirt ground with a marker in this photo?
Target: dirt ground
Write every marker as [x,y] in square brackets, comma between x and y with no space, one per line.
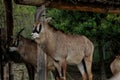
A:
[20,73]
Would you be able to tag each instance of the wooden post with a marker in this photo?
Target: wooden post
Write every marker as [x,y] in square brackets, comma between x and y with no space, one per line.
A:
[2,46]
[9,20]
[41,65]
[41,58]
[1,65]
[9,30]
[1,68]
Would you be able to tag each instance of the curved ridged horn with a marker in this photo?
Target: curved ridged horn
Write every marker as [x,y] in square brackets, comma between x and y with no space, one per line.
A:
[40,13]
[20,31]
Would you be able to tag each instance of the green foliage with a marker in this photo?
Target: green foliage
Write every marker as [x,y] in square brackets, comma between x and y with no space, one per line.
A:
[86,23]
[70,21]
[23,18]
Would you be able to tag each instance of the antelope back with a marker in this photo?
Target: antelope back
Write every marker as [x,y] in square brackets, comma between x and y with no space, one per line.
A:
[115,77]
[27,49]
[115,65]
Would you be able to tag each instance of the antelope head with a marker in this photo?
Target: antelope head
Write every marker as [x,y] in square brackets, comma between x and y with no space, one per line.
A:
[39,28]
[16,41]
[39,20]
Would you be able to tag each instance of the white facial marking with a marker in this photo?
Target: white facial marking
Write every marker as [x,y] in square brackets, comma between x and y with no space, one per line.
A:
[12,48]
[35,35]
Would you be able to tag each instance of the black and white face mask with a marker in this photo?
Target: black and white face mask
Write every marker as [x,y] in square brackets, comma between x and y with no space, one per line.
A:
[16,43]
[36,31]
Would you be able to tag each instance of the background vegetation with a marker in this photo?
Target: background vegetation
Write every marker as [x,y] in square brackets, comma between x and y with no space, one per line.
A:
[102,29]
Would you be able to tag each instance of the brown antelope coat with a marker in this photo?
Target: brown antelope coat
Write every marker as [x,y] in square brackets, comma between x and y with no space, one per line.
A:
[115,65]
[65,48]
[115,77]
[29,50]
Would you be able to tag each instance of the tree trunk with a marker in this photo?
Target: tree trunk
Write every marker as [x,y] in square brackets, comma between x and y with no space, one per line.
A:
[9,20]
[102,68]
[9,31]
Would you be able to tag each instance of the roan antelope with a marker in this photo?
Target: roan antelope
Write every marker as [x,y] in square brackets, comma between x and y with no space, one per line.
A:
[115,65]
[115,68]
[64,48]
[7,56]
[115,77]
[29,50]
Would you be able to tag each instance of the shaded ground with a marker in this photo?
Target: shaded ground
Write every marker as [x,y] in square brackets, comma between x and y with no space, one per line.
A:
[96,69]
[75,74]
[20,72]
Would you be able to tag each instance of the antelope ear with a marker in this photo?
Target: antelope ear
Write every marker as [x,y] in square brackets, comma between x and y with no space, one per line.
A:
[48,19]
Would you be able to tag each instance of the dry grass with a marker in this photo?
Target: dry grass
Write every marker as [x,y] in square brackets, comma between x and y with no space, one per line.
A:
[19,72]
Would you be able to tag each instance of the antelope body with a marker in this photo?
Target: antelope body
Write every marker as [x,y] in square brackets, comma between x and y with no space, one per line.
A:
[115,68]
[65,48]
[115,65]
[115,77]
[29,50]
